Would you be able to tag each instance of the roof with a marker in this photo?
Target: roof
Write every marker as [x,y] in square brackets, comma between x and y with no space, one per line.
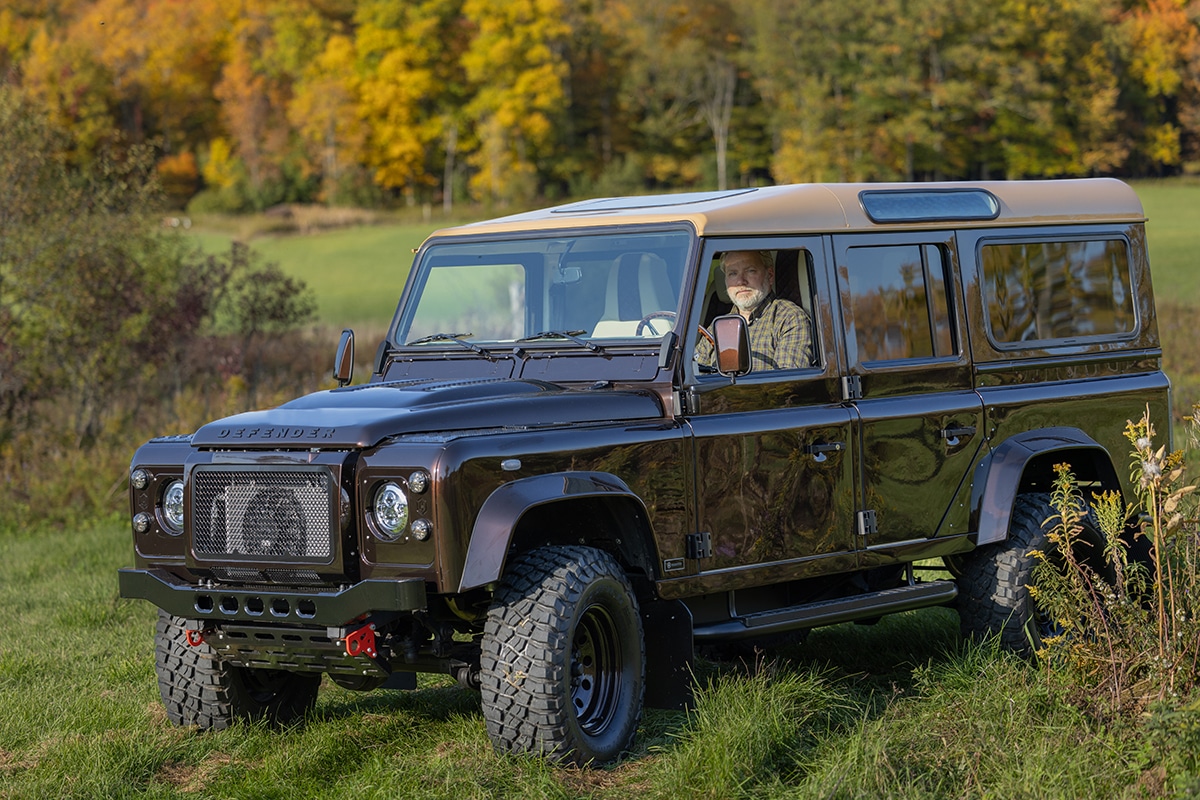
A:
[828,207]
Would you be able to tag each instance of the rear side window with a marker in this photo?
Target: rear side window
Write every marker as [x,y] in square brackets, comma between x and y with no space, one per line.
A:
[899,302]
[1041,291]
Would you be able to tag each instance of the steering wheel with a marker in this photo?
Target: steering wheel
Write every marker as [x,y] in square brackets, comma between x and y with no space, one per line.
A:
[653,315]
[703,331]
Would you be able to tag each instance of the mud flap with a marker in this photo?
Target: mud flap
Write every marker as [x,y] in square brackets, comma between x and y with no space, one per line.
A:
[667,626]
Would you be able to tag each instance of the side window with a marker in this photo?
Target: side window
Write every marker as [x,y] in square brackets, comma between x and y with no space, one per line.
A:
[900,302]
[792,281]
[1040,291]
[773,289]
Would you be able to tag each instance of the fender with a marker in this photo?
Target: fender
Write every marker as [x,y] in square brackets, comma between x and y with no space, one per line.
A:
[500,513]
[998,476]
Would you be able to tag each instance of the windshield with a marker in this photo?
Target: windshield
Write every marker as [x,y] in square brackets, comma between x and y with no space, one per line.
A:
[555,290]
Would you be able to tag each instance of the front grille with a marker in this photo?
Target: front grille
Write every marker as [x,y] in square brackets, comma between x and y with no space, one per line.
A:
[263,514]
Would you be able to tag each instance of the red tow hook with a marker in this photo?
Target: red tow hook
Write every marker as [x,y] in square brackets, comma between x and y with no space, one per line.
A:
[361,642]
[194,638]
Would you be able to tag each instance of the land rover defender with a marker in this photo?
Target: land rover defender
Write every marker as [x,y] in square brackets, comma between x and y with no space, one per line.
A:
[544,491]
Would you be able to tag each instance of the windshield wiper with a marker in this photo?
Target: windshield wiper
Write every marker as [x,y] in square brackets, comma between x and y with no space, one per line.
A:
[569,335]
[457,338]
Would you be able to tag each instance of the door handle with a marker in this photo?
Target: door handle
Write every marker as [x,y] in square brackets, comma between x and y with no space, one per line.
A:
[952,434]
[818,451]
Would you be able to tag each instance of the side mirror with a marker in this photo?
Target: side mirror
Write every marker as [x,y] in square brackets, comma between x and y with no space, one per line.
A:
[343,362]
[732,339]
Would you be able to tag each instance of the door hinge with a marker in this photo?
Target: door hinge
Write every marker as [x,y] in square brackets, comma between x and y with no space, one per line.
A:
[866,523]
[686,402]
[699,545]
[851,387]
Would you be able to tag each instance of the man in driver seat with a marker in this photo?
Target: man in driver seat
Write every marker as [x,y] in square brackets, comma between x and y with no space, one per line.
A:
[780,331]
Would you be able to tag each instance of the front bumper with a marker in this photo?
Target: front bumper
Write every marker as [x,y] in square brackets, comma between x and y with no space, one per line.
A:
[266,605]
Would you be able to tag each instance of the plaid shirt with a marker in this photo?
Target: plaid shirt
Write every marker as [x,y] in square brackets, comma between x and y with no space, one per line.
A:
[780,337]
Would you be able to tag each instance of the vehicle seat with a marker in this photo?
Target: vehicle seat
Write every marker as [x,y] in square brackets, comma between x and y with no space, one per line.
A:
[638,285]
[791,279]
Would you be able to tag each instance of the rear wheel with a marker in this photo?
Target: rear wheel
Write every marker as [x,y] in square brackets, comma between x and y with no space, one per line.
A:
[994,599]
[563,662]
[199,688]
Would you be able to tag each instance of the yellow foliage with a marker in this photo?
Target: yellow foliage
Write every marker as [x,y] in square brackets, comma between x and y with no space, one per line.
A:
[221,168]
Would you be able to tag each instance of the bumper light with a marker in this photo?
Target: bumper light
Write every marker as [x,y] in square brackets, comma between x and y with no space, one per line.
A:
[421,529]
[418,481]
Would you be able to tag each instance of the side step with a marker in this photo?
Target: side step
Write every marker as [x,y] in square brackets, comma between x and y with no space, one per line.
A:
[829,612]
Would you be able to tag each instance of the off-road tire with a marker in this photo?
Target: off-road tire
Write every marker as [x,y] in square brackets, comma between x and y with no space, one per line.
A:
[993,587]
[199,689]
[563,658]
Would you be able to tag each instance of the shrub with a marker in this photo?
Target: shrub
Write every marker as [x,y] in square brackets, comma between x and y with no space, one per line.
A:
[1129,634]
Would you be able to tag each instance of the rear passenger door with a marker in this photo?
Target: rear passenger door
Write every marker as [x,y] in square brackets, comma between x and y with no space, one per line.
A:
[908,379]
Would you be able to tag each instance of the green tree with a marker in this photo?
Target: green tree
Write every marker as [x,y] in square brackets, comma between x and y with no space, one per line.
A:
[88,283]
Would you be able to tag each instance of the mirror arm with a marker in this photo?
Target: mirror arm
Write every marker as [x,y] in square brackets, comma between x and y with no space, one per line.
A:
[343,362]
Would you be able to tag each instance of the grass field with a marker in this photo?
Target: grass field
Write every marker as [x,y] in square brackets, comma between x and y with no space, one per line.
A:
[355,273]
[1173,233]
[901,709]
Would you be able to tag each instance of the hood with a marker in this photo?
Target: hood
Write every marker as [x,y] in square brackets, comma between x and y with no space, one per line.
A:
[362,416]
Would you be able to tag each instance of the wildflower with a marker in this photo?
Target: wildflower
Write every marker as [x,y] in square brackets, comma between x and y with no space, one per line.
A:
[1143,443]
[1151,471]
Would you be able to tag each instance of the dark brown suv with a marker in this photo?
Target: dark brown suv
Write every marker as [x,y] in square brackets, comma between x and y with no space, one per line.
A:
[554,484]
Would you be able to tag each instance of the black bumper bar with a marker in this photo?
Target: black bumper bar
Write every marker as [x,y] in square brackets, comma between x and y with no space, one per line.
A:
[305,607]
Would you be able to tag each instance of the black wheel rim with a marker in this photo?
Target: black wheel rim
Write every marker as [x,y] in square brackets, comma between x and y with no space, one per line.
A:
[596,676]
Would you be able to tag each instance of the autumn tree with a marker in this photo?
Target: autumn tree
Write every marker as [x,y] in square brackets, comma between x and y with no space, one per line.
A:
[411,90]
[325,113]
[514,63]
[1160,43]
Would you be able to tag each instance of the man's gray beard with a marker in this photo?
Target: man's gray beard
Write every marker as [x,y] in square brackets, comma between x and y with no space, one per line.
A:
[750,303]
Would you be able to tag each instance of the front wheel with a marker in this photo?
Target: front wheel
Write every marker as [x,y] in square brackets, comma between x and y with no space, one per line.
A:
[563,657]
[199,688]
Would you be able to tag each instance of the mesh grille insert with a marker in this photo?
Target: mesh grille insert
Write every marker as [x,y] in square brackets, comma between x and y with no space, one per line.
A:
[263,514]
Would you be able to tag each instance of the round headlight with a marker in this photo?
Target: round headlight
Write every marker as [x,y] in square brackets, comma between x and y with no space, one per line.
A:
[141,522]
[140,479]
[418,481]
[172,506]
[391,510]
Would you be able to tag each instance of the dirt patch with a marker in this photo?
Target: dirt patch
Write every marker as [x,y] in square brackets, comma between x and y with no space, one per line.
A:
[10,763]
[192,778]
